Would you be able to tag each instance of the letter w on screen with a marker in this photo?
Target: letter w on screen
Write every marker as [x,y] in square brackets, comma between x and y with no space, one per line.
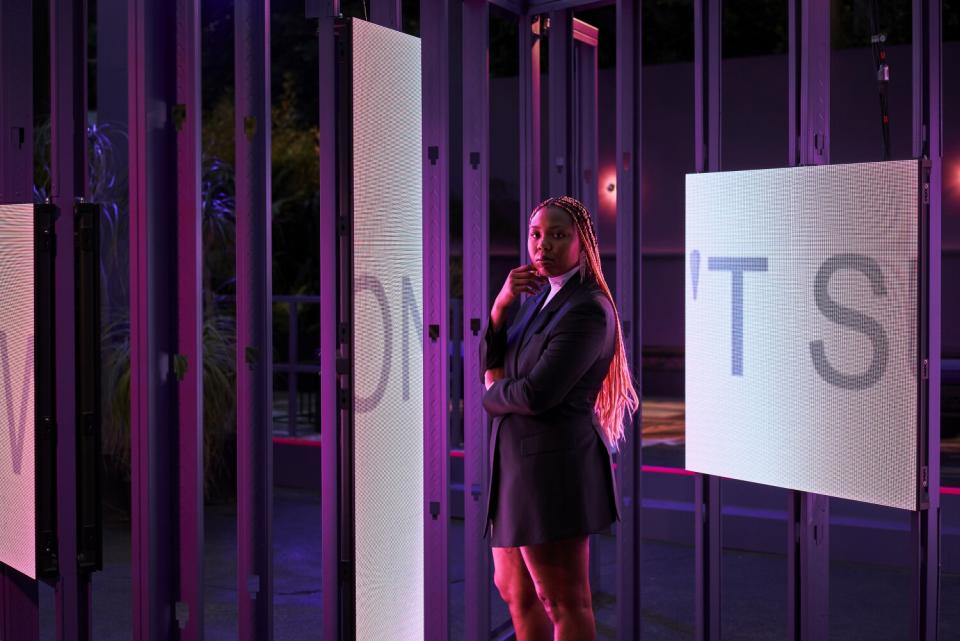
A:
[17,385]
[801,328]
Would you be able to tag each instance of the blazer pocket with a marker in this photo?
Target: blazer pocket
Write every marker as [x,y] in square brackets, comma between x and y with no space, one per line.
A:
[547,442]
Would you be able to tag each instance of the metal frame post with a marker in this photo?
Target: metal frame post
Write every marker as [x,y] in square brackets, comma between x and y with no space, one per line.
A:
[584,152]
[808,515]
[19,595]
[189,607]
[928,144]
[153,317]
[708,527]
[629,302]
[254,321]
[16,107]
[388,13]
[68,182]
[560,83]
[329,419]
[19,612]
[476,238]
[529,33]
[435,57]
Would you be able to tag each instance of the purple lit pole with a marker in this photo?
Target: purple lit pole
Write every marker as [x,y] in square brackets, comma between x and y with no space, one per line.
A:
[254,310]
[707,523]
[808,514]
[19,617]
[928,144]
[188,608]
[476,239]
[329,411]
[584,150]
[389,13]
[529,108]
[629,252]
[154,214]
[68,164]
[560,80]
[435,56]
[16,102]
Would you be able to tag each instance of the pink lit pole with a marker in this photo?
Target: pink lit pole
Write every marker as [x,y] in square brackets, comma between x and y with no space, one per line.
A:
[476,238]
[629,246]
[254,310]
[435,56]
[68,182]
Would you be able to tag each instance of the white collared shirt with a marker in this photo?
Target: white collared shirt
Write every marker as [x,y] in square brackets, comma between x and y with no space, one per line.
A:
[557,283]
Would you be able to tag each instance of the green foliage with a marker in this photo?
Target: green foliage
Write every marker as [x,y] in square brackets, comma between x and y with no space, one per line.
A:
[219,395]
[296,185]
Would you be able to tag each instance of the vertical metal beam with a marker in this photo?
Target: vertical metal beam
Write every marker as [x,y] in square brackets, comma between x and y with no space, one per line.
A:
[435,56]
[330,444]
[814,60]
[254,322]
[186,119]
[708,526]
[16,102]
[529,107]
[584,152]
[560,79]
[389,13]
[68,181]
[928,144]
[706,89]
[476,238]
[19,616]
[808,520]
[153,319]
[629,265]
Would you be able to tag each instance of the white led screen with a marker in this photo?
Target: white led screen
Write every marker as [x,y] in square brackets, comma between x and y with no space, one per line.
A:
[17,409]
[801,328]
[388,334]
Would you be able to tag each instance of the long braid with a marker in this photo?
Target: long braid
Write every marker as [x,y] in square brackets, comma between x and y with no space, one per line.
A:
[618,395]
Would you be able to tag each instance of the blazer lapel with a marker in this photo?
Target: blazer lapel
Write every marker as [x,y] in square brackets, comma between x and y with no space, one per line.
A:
[541,319]
[517,329]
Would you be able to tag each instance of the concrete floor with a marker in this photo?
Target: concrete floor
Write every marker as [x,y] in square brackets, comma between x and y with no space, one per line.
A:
[867,602]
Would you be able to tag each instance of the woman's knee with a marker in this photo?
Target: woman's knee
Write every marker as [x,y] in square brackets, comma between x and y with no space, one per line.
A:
[565,601]
[514,590]
[515,586]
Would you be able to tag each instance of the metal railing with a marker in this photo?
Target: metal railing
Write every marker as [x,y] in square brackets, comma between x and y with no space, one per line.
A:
[299,405]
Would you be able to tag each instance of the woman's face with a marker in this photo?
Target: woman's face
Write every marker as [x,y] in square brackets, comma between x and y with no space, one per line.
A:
[553,242]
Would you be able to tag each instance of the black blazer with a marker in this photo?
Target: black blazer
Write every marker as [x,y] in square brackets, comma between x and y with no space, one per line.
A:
[551,476]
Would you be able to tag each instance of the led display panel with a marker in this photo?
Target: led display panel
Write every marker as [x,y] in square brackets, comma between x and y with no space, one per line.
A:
[17,390]
[802,316]
[387,255]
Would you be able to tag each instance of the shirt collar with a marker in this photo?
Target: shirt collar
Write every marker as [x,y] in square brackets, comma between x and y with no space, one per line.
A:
[557,282]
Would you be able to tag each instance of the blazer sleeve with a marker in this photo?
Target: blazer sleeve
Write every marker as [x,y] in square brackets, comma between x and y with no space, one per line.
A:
[573,347]
[493,348]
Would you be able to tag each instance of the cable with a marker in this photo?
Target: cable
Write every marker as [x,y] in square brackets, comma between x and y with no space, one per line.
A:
[879,39]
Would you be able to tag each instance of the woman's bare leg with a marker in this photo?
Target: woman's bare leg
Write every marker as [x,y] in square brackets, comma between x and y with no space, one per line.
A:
[510,575]
[561,575]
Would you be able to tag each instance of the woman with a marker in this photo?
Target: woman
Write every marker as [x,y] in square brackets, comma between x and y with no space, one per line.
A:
[558,386]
